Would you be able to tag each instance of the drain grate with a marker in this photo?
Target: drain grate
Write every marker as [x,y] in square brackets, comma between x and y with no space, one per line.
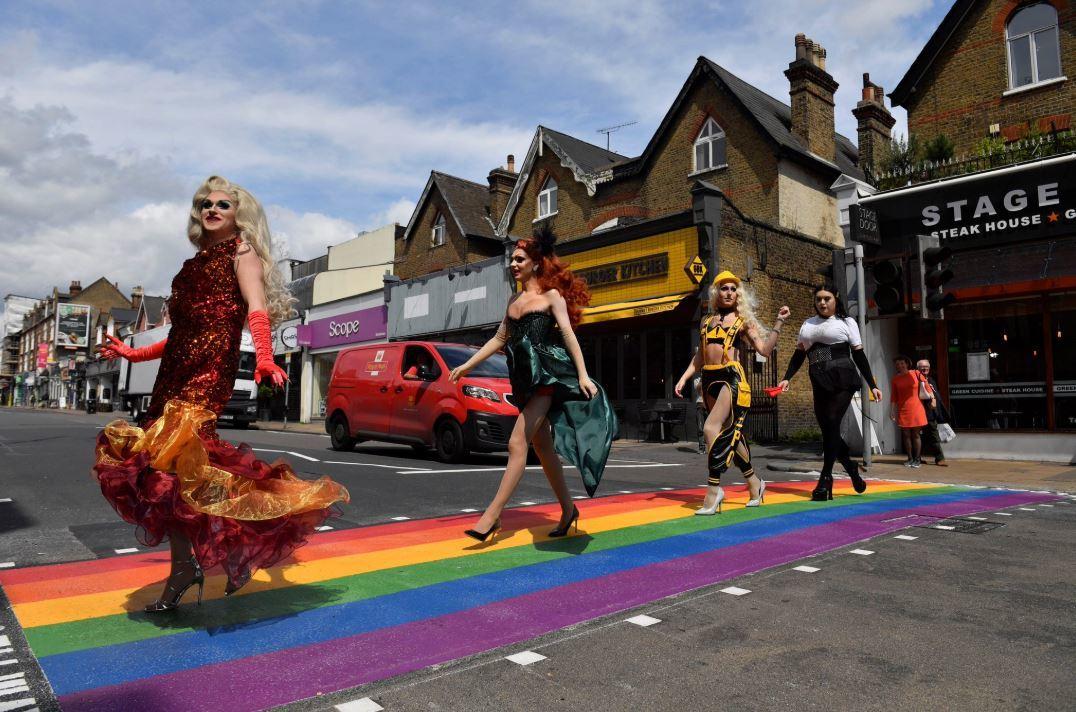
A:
[961,526]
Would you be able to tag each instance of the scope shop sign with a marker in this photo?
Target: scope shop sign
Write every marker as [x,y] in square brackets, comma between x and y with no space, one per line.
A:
[1028,202]
[72,326]
[349,328]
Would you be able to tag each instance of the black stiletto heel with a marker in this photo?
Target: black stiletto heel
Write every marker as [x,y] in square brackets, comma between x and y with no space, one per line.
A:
[482,536]
[823,491]
[858,484]
[164,605]
[563,530]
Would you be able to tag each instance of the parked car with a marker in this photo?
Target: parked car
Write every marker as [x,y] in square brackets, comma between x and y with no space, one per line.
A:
[400,392]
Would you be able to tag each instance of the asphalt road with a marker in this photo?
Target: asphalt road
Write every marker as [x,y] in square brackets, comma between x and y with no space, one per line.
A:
[943,620]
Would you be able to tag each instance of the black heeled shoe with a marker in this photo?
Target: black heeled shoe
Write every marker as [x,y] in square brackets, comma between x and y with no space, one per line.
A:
[823,491]
[858,483]
[171,603]
[563,529]
[482,536]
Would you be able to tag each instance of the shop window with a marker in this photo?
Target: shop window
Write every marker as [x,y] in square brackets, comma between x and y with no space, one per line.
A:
[633,348]
[1032,40]
[997,365]
[709,147]
[1063,338]
[656,368]
[609,366]
[437,236]
[547,199]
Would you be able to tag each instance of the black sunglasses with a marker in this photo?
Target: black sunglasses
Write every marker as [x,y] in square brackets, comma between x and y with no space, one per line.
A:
[221,204]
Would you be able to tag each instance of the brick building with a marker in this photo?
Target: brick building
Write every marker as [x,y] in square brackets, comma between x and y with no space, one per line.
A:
[732,178]
[53,366]
[992,79]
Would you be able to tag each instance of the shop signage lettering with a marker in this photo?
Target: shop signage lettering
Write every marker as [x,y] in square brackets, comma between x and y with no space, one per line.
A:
[1031,203]
[1001,389]
[626,271]
[343,329]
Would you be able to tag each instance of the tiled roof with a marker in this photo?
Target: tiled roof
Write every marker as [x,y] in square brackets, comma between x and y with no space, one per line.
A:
[588,157]
[469,203]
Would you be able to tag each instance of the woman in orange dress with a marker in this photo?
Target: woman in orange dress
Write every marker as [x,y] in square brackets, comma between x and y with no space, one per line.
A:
[906,409]
[175,479]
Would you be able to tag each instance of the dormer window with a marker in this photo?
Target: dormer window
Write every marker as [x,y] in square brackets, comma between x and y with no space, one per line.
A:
[437,235]
[709,147]
[1034,50]
[547,199]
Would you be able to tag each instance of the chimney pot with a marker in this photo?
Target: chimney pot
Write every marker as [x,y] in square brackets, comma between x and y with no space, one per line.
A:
[511,163]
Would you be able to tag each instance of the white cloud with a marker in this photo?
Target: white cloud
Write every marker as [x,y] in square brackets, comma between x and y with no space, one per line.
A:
[306,235]
[398,212]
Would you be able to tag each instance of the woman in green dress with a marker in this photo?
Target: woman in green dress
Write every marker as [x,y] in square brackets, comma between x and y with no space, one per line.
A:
[561,409]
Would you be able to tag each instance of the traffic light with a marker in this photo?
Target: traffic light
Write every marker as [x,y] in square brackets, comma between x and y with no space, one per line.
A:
[888,293]
[933,274]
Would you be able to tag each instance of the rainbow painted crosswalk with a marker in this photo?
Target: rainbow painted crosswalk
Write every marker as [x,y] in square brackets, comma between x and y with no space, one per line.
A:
[362,605]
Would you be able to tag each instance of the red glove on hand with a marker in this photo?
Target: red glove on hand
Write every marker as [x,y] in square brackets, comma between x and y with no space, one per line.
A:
[117,349]
[262,337]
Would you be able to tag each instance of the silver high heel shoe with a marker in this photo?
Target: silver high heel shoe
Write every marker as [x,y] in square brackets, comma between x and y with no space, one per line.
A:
[761,494]
[715,508]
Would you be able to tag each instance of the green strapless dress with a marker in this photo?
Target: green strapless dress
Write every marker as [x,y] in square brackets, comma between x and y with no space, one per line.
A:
[583,429]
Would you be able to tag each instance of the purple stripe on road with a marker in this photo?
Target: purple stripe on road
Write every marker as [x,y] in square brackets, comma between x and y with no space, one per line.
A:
[264,681]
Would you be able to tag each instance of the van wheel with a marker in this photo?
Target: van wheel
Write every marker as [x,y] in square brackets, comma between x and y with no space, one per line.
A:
[449,441]
[339,436]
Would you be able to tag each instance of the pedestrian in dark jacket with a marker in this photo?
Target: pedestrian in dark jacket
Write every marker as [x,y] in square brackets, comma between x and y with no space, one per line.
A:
[935,415]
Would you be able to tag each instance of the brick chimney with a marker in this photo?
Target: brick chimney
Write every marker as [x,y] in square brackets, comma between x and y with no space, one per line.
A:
[75,289]
[136,297]
[875,123]
[811,89]
[501,181]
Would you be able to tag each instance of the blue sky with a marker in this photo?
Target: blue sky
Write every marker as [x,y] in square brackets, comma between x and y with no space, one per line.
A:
[333,113]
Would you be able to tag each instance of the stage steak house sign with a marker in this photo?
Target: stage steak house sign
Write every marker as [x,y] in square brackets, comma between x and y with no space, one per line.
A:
[1026,204]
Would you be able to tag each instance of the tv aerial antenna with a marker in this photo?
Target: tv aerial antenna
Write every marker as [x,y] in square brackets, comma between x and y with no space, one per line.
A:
[610,129]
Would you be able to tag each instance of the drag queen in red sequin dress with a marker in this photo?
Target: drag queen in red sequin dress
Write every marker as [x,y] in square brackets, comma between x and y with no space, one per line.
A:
[175,479]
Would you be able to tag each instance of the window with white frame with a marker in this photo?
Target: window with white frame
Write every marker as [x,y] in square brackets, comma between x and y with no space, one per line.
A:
[437,235]
[547,199]
[1034,50]
[709,147]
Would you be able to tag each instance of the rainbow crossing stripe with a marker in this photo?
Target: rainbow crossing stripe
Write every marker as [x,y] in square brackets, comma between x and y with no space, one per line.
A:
[362,605]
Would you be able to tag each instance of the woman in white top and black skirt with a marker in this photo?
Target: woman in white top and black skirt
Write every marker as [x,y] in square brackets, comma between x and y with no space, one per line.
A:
[830,340]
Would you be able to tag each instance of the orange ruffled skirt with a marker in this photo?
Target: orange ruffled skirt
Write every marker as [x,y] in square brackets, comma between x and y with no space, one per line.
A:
[237,510]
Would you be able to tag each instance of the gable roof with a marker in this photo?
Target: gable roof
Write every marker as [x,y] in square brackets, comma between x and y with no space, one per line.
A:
[152,306]
[123,316]
[949,24]
[771,115]
[592,165]
[467,201]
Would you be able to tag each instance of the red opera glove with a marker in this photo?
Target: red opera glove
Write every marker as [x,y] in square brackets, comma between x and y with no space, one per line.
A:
[117,349]
[262,337]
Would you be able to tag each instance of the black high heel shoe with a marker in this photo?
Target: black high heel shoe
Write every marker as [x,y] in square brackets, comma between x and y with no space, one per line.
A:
[171,603]
[563,529]
[482,536]
[823,491]
[858,483]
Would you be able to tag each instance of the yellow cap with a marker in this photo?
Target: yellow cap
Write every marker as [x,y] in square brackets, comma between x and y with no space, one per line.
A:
[726,276]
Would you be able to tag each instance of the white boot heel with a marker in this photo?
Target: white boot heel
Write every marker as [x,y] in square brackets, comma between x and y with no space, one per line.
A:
[761,494]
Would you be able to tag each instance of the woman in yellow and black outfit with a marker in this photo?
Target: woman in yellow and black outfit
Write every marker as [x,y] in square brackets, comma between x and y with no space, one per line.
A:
[724,384]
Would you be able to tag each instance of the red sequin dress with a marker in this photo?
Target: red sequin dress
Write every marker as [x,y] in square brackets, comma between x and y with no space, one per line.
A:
[176,475]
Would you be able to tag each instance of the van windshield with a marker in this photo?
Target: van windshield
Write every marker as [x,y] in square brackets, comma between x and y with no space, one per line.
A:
[246,366]
[496,366]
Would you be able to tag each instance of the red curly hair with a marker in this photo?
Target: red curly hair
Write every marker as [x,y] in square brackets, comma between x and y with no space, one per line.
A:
[551,273]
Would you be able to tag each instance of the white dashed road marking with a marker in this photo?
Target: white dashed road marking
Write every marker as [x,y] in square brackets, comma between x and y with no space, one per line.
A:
[7,564]
[806,569]
[861,552]
[1003,514]
[527,657]
[905,537]
[374,464]
[735,591]
[400,519]
[126,551]
[364,704]
[945,527]
[643,620]
[286,452]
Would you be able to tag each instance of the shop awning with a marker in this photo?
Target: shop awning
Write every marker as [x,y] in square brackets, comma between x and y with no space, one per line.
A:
[624,310]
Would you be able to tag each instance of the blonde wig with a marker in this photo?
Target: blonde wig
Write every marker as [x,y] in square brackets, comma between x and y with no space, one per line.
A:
[253,229]
[745,305]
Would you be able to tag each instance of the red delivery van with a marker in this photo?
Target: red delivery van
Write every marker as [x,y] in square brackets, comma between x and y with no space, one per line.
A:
[400,392]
